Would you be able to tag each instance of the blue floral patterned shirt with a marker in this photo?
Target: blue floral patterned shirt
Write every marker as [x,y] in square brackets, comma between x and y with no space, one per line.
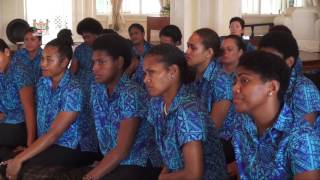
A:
[12,81]
[286,149]
[187,121]
[22,55]
[225,131]
[302,95]
[83,54]
[66,97]
[128,100]
[139,74]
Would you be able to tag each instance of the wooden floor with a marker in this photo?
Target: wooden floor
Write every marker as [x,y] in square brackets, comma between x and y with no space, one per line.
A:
[311,61]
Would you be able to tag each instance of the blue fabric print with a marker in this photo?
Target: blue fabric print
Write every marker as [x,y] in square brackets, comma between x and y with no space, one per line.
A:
[286,149]
[128,100]
[67,97]
[12,81]
[187,121]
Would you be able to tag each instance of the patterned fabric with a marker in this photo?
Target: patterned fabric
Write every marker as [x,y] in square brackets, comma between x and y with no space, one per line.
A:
[298,66]
[286,149]
[14,79]
[127,101]
[83,54]
[67,97]
[187,121]
[22,55]
[249,47]
[226,130]
[139,74]
[302,96]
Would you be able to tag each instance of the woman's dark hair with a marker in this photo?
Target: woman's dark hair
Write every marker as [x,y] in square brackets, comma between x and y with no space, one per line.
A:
[108,31]
[238,41]
[3,45]
[115,46]
[65,35]
[269,67]
[171,31]
[210,39]
[170,55]
[280,28]
[237,19]
[137,26]
[89,25]
[281,41]
[34,32]
[64,49]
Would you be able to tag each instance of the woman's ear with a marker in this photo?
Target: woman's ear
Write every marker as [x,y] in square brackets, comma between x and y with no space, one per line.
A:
[120,62]
[273,87]
[7,52]
[290,61]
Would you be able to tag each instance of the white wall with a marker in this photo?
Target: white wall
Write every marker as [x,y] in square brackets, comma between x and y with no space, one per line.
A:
[9,10]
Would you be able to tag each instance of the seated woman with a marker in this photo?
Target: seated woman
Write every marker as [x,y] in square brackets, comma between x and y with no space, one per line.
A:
[269,141]
[302,96]
[140,49]
[236,27]
[31,54]
[119,110]
[185,135]
[170,34]
[64,139]
[17,108]
[213,87]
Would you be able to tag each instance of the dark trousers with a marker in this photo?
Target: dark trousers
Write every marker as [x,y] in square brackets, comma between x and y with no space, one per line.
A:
[11,136]
[122,172]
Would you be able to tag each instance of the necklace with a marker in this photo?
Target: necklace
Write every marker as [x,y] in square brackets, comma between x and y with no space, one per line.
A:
[165,109]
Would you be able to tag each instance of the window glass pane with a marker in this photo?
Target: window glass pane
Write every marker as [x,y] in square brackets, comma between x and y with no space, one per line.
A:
[131,6]
[49,16]
[150,7]
[103,7]
[270,7]
[250,6]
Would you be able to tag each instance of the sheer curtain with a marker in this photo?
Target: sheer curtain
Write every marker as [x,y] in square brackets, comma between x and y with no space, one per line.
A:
[117,20]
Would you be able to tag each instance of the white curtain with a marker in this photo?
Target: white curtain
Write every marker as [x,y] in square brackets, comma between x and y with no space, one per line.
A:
[116,19]
[164,2]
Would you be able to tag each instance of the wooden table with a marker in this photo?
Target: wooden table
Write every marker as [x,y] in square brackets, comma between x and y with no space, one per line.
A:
[156,23]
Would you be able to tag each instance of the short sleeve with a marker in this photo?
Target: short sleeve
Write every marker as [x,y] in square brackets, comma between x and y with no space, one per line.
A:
[305,153]
[190,126]
[133,104]
[23,76]
[222,87]
[72,100]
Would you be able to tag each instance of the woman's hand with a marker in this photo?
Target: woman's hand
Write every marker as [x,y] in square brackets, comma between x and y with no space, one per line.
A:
[13,168]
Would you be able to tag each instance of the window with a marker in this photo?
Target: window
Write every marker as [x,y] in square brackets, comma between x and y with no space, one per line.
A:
[49,16]
[263,7]
[268,7]
[130,7]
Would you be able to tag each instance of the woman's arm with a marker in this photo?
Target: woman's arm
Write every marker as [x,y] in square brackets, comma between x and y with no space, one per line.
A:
[193,163]
[219,112]
[125,138]
[27,101]
[310,175]
[74,66]
[58,127]
[311,117]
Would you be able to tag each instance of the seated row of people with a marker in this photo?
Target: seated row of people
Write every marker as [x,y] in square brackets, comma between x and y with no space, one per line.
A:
[185,121]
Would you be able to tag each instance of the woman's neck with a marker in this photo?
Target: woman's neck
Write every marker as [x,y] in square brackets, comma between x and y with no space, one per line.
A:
[140,48]
[112,84]
[32,54]
[229,67]
[56,79]
[201,68]
[170,94]
[265,116]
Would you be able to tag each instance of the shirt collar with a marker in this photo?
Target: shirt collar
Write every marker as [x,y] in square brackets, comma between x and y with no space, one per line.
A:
[184,92]
[210,70]
[63,82]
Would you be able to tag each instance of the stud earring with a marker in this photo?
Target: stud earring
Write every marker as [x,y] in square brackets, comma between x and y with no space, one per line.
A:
[270,94]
